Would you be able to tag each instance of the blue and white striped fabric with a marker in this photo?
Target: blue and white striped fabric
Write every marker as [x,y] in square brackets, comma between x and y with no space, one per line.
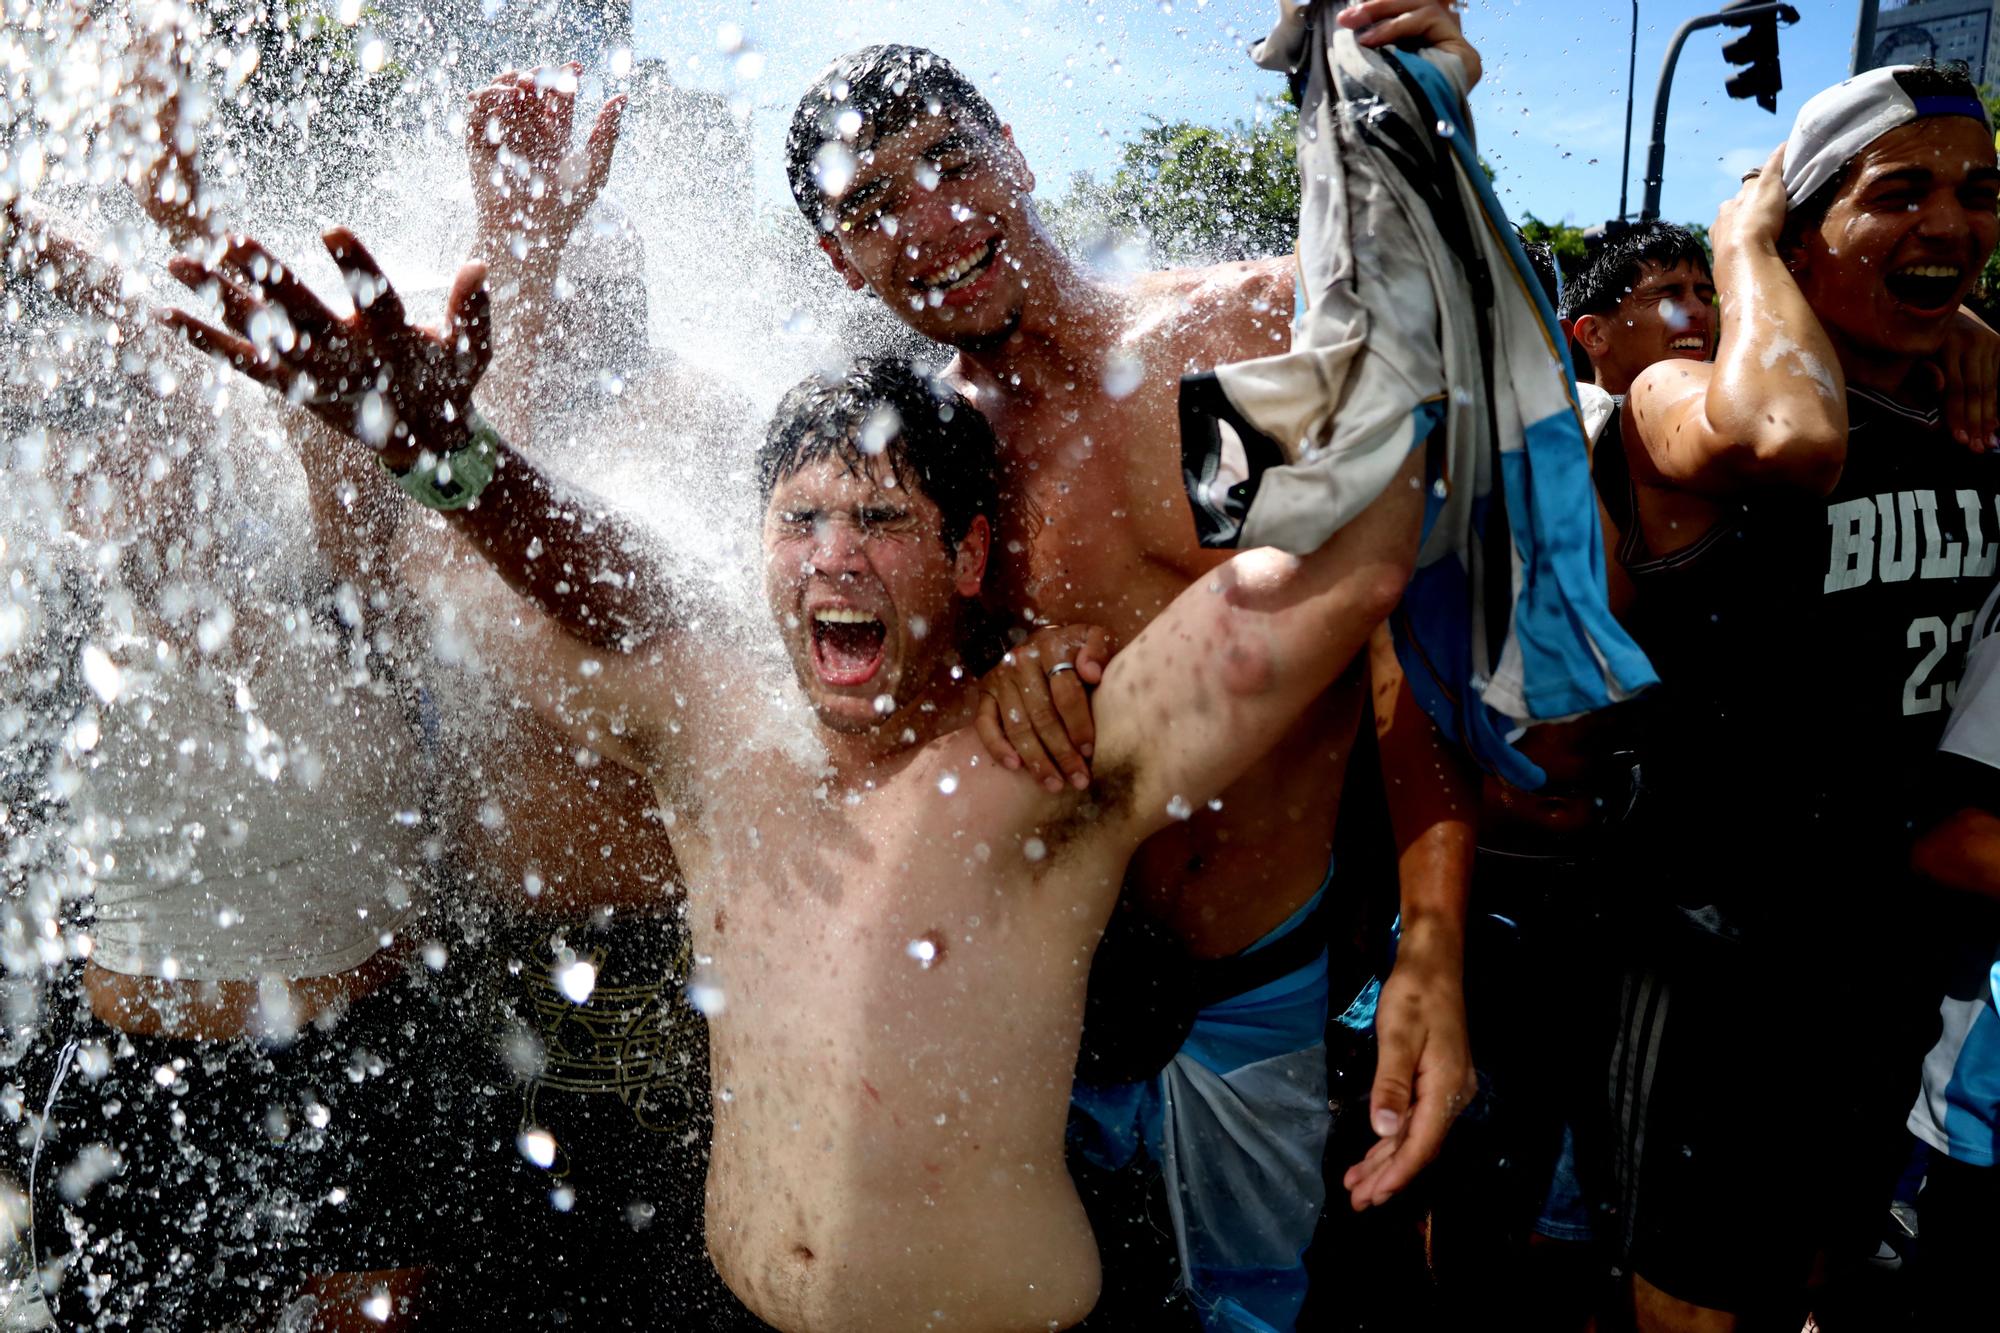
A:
[1420,322]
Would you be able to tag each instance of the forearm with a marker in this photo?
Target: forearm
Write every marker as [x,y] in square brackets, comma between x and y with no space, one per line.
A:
[1963,853]
[1248,647]
[1433,800]
[586,567]
[523,293]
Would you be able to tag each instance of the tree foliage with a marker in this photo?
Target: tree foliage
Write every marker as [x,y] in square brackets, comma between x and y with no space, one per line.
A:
[1193,193]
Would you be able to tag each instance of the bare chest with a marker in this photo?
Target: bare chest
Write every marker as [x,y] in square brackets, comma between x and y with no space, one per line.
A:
[1102,532]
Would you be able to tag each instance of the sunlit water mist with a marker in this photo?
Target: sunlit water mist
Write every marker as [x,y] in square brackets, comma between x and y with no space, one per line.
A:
[163,601]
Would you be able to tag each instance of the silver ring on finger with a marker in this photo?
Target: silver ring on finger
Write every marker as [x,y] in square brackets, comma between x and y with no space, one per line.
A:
[1753,173]
[1059,668]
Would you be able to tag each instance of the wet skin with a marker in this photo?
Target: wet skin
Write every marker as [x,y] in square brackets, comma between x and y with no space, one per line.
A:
[1864,294]
[1094,486]
[1918,200]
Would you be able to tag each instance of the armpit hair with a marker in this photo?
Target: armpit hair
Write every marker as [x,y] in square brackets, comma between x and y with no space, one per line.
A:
[1112,787]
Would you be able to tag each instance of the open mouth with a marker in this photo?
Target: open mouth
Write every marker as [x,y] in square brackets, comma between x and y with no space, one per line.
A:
[961,273]
[1689,343]
[846,645]
[1927,287]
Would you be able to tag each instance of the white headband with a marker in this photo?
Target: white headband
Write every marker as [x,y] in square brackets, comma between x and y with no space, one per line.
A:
[1835,125]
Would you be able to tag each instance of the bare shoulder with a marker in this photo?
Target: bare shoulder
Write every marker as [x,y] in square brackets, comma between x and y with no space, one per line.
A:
[1005,812]
[1223,312]
[1657,397]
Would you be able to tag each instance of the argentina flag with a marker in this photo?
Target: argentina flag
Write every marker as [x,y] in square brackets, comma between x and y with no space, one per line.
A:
[1420,323]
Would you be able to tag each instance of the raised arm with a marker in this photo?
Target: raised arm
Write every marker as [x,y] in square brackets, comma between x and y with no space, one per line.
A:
[406,393]
[1217,678]
[1771,410]
[529,194]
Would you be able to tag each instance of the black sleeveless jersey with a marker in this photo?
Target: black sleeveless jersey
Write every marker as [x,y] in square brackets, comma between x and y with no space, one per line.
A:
[1808,652]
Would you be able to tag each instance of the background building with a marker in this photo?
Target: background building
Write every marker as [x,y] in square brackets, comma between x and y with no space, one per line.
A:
[1943,29]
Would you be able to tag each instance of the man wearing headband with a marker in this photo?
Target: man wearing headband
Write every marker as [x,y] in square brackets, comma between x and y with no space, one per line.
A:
[1810,544]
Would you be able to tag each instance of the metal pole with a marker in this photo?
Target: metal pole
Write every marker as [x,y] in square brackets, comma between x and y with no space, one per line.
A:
[1864,37]
[1656,151]
[1631,80]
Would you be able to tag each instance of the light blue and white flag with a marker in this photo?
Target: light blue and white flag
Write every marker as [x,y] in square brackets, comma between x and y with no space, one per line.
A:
[1420,323]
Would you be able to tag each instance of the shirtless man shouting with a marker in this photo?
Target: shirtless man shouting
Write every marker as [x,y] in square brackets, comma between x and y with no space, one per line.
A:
[886,1155]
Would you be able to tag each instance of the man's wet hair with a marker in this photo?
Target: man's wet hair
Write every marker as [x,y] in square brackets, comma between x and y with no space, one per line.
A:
[1926,78]
[934,441]
[891,86]
[1615,267]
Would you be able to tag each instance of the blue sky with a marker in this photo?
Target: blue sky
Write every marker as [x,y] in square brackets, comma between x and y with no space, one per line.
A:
[1078,77]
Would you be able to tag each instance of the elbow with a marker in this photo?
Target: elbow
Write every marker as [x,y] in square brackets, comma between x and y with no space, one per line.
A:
[1382,586]
[1803,460]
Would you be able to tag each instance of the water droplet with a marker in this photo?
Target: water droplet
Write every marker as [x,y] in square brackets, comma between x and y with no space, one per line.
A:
[882,425]
[106,681]
[349,13]
[1445,129]
[706,997]
[577,980]
[374,53]
[885,704]
[1034,849]
[1123,372]
[923,950]
[833,168]
[947,783]
[377,1306]
[538,1146]
[1178,807]
[434,956]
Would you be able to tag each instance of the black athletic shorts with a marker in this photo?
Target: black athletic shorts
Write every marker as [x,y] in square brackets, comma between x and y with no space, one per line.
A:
[1958,1222]
[192,1185]
[1758,1097]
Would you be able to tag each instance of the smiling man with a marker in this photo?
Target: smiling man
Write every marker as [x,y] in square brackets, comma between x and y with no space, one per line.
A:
[1215,974]
[1810,547]
[1644,296]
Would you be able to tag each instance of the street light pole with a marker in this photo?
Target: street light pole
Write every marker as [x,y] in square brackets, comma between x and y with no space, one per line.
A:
[1631,79]
[1864,37]
[1656,151]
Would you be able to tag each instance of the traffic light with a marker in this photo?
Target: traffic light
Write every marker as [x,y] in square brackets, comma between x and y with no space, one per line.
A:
[1758,50]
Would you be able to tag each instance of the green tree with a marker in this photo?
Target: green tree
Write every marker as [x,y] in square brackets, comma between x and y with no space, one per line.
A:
[1985,298]
[1564,240]
[1193,193]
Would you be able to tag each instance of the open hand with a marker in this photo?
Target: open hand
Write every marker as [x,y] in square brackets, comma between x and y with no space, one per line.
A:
[1423,1072]
[402,389]
[1413,24]
[169,189]
[529,190]
[1034,709]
